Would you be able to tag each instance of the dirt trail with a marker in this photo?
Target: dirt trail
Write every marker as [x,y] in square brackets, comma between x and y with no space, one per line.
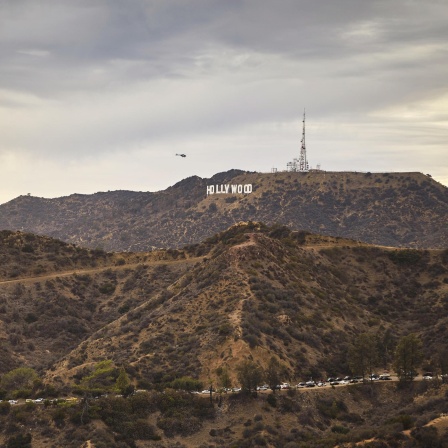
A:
[236,316]
[53,275]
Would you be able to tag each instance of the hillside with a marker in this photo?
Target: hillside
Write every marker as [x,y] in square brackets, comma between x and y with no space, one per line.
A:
[389,209]
[53,295]
[249,292]
[268,291]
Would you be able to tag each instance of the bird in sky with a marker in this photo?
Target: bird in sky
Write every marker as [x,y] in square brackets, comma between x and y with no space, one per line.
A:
[181,155]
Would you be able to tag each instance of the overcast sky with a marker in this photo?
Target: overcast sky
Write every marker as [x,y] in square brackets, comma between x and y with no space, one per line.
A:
[100,95]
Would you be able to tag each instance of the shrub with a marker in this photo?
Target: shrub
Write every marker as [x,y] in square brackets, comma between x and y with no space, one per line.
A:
[260,440]
[58,416]
[142,430]
[5,407]
[427,437]
[331,408]
[107,288]
[340,429]
[172,426]
[30,318]
[27,248]
[406,420]
[19,441]
[272,400]
[351,417]
[405,256]
[251,339]
[186,383]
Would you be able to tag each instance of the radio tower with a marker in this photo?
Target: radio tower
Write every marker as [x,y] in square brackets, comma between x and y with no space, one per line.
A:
[300,164]
[303,163]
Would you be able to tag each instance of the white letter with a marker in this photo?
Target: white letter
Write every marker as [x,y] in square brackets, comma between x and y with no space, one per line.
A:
[227,188]
[233,188]
[240,188]
[248,188]
[210,189]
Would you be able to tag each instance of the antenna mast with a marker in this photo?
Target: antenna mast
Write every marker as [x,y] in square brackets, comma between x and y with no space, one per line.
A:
[303,163]
[300,164]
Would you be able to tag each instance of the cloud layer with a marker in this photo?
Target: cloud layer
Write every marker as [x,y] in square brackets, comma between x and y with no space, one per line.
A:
[98,95]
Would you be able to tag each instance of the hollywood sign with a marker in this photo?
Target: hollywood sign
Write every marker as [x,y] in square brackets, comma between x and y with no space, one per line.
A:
[229,189]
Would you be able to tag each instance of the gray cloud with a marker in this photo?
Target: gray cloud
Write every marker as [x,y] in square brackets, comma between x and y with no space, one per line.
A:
[88,80]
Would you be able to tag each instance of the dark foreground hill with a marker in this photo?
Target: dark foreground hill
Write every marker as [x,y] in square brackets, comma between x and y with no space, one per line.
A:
[390,209]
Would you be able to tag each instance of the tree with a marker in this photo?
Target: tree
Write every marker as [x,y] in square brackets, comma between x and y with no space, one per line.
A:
[273,372]
[386,345]
[186,383]
[442,362]
[101,379]
[408,357]
[224,378]
[249,375]
[20,381]
[123,383]
[363,355]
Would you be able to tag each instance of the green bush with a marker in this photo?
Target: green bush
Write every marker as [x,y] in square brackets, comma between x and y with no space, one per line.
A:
[186,383]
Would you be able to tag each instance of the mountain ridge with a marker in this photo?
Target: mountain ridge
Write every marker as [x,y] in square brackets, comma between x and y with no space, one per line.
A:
[389,209]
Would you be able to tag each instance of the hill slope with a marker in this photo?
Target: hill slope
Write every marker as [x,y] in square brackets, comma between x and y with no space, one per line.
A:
[251,291]
[268,291]
[391,209]
[53,295]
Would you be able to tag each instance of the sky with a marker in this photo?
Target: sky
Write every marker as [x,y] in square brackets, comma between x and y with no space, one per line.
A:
[99,95]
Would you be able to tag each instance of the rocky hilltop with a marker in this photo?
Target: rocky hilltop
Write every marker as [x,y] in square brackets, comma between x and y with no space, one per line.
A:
[390,209]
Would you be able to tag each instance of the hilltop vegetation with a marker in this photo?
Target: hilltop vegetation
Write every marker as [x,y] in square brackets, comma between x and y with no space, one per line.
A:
[389,209]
